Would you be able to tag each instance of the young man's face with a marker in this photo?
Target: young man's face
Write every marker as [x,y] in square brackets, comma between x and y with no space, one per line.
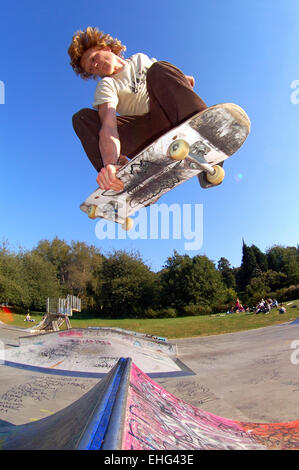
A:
[101,62]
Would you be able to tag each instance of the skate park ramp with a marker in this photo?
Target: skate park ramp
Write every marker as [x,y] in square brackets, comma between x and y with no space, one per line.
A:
[127,410]
[92,352]
[45,324]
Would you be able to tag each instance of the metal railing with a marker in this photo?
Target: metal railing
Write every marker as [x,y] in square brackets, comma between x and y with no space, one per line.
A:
[66,306]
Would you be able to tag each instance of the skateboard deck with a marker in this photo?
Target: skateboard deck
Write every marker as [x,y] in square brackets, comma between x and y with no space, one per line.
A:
[196,146]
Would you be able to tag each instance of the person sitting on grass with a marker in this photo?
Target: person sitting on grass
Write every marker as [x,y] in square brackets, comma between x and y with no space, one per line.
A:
[282,309]
[267,307]
[260,306]
[239,307]
[28,318]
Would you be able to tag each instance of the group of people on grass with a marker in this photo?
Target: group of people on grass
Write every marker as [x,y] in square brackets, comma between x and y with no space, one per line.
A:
[266,305]
[238,307]
[263,306]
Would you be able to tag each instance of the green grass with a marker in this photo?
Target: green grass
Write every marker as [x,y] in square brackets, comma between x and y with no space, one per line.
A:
[182,327]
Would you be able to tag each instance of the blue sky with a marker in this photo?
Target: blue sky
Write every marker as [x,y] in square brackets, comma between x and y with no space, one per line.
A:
[241,52]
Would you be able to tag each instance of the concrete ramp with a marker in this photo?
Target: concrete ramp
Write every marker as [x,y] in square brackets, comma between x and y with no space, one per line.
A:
[127,410]
[93,352]
[157,420]
[46,324]
[72,427]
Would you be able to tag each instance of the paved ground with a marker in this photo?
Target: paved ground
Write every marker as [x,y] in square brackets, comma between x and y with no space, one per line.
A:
[246,376]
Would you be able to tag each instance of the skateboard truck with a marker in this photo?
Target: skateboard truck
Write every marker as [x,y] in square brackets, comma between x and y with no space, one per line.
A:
[94,211]
[180,149]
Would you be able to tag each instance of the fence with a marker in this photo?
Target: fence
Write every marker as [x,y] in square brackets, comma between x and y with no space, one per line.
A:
[64,306]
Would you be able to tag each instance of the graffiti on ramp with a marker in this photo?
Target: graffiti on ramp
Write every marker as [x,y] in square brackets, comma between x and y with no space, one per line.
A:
[127,410]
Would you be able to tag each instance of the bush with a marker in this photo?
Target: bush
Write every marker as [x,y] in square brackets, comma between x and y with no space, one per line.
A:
[287,293]
[219,308]
[167,313]
[195,310]
[162,313]
[230,296]
[150,313]
[258,296]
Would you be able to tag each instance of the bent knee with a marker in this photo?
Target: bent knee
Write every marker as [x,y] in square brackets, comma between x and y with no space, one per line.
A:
[83,116]
[163,71]
[157,68]
[78,116]
[85,113]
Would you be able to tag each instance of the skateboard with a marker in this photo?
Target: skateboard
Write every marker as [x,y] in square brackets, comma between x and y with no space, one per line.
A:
[197,146]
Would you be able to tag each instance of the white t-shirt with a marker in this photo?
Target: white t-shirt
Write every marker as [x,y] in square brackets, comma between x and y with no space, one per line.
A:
[126,90]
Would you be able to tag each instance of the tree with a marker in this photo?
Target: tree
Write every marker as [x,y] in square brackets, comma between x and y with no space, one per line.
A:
[227,273]
[254,262]
[78,268]
[193,281]
[261,260]
[10,277]
[38,281]
[285,260]
[247,268]
[173,277]
[266,282]
[26,279]
[127,285]
[58,253]
[84,273]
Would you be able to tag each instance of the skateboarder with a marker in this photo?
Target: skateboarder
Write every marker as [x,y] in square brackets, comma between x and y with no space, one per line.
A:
[136,101]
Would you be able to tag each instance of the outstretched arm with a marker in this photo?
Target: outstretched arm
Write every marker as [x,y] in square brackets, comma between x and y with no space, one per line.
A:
[108,136]
[109,145]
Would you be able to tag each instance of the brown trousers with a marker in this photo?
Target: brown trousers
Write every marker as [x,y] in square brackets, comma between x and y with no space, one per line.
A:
[171,101]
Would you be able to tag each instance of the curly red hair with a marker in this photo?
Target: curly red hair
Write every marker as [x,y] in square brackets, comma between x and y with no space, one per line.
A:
[84,40]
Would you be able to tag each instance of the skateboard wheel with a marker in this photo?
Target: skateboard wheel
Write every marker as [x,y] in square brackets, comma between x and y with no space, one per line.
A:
[179,149]
[218,176]
[128,224]
[92,212]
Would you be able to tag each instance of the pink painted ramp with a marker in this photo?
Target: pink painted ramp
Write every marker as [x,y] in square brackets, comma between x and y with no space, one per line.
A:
[156,419]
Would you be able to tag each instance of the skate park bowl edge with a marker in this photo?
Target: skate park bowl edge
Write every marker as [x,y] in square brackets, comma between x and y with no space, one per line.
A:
[92,352]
